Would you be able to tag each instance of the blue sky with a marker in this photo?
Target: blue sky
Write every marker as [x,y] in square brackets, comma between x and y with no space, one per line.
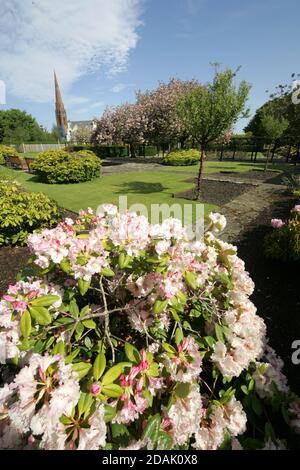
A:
[104,50]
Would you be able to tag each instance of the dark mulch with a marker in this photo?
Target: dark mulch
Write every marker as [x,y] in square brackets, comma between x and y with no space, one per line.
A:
[216,192]
[13,259]
[255,175]
[277,293]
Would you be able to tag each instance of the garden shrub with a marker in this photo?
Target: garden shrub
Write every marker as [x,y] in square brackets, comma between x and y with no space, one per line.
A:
[103,151]
[182,157]
[6,151]
[131,335]
[22,212]
[283,243]
[60,166]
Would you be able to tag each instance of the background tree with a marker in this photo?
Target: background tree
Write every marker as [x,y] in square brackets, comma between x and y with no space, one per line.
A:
[209,111]
[82,135]
[17,126]
[280,104]
[125,124]
[159,106]
[273,128]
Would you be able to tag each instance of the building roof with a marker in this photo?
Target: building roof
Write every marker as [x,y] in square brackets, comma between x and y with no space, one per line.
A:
[80,123]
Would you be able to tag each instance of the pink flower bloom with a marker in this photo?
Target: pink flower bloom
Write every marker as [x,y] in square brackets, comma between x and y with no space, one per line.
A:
[95,389]
[296,208]
[277,223]
[19,306]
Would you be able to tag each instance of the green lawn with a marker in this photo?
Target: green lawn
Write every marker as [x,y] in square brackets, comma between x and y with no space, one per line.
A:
[149,187]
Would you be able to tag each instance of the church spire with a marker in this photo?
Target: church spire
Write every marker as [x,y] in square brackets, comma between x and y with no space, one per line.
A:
[60,112]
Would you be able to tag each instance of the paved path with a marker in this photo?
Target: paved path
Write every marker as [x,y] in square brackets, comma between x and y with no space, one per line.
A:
[244,209]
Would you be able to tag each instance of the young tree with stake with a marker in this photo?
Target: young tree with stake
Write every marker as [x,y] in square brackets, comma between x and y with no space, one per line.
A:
[209,111]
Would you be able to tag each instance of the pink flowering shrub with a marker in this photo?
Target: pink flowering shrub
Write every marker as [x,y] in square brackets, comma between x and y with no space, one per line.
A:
[127,335]
[283,243]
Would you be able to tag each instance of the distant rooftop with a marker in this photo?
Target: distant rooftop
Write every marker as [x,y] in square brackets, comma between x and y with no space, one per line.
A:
[81,123]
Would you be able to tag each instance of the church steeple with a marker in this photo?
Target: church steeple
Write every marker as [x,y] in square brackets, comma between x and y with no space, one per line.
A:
[60,112]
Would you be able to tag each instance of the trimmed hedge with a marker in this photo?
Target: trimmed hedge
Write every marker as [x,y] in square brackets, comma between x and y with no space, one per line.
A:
[22,212]
[181,158]
[59,166]
[103,151]
[6,151]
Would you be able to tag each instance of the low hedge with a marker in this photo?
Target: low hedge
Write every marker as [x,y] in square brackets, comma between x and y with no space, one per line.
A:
[6,151]
[103,151]
[22,212]
[60,166]
[181,157]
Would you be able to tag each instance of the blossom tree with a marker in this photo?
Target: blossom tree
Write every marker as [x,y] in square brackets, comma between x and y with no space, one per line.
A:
[209,111]
[125,124]
[159,105]
[127,335]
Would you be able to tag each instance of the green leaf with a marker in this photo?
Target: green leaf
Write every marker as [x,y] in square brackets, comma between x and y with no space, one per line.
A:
[195,313]
[50,342]
[99,366]
[41,315]
[71,357]
[153,370]
[256,405]
[114,372]
[59,348]
[112,390]
[165,441]
[175,314]
[84,403]
[82,369]
[169,348]
[44,301]
[149,397]
[244,389]
[83,286]
[25,324]
[132,353]
[119,430]
[74,310]
[151,431]
[109,413]
[107,272]
[182,389]
[178,336]
[124,260]
[84,311]
[89,324]
[210,341]
[65,266]
[219,333]
[191,279]
[79,330]
[88,342]
[159,306]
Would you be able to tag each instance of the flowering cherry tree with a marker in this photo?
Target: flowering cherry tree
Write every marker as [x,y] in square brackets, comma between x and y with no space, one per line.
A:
[126,335]
[125,124]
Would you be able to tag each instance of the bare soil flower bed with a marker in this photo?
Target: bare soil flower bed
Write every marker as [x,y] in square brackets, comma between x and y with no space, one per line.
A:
[216,192]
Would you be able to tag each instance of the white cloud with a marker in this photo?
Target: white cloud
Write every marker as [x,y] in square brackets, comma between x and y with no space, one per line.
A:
[97,104]
[73,100]
[70,36]
[118,87]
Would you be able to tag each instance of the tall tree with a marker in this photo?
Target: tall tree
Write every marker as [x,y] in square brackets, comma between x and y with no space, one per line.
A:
[17,126]
[273,128]
[160,108]
[209,111]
